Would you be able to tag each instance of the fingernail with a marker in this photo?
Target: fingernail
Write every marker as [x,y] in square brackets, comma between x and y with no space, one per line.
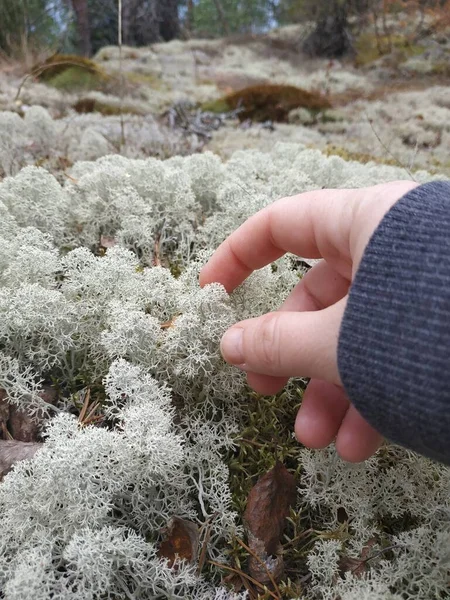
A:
[231,346]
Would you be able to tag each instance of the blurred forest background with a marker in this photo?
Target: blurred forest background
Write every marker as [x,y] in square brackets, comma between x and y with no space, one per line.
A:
[84,26]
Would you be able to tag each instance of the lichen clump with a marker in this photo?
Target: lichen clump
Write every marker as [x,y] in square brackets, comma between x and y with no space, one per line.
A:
[177,431]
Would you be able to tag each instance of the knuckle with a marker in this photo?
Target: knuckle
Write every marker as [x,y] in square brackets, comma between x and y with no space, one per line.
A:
[267,347]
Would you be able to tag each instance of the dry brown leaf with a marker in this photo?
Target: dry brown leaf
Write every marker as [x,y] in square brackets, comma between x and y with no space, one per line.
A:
[268,506]
[23,428]
[4,415]
[12,452]
[182,538]
[170,324]
[357,566]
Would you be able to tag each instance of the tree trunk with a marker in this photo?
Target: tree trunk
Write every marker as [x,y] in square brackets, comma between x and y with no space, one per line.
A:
[146,23]
[331,37]
[80,8]
[129,9]
[169,23]
[190,16]
[222,17]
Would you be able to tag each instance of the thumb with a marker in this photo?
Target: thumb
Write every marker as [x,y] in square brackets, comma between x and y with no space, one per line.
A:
[288,344]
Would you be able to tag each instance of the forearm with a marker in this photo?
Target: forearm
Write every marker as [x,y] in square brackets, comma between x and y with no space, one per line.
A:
[394,344]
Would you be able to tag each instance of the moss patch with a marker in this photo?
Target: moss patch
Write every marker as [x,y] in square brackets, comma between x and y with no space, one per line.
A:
[68,72]
[90,105]
[332,150]
[267,436]
[370,49]
[268,102]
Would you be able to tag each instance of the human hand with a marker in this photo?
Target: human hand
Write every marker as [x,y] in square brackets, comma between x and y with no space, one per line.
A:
[301,338]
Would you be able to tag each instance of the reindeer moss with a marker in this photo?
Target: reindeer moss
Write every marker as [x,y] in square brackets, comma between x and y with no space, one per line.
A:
[268,102]
[69,72]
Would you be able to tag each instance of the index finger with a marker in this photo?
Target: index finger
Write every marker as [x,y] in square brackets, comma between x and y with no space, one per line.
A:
[313,225]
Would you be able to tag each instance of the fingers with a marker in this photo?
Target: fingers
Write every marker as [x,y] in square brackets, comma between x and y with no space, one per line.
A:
[267,385]
[313,224]
[286,344]
[319,288]
[326,415]
[323,409]
[356,439]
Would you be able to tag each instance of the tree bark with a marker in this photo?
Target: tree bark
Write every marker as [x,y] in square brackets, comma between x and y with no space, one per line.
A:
[169,22]
[80,8]
[222,17]
[331,37]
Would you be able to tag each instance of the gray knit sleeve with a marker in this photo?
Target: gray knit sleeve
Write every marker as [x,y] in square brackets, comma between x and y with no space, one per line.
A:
[394,343]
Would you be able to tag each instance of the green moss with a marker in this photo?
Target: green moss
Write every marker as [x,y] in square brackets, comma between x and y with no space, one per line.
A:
[441,68]
[142,79]
[332,150]
[90,105]
[71,73]
[267,436]
[216,106]
[370,49]
[268,102]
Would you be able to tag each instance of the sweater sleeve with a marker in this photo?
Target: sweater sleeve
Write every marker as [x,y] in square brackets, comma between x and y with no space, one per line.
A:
[394,342]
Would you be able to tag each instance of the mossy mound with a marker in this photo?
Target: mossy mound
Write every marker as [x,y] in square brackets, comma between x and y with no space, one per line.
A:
[69,73]
[90,105]
[268,102]
[332,150]
[369,48]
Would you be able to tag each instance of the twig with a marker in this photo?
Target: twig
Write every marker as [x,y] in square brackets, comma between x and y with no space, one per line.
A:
[119,35]
[387,149]
[297,538]
[242,574]
[262,563]
[202,557]
[366,560]
[157,251]
[85,405]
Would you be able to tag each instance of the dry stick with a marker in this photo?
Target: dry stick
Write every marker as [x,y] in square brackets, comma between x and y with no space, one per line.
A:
[387,149]
[202,557]
[119,34]
[261,562]
[366,560]
[85,405]
[242,574]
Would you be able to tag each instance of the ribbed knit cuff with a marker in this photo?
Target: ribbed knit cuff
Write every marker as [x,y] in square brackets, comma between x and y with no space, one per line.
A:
[394,344]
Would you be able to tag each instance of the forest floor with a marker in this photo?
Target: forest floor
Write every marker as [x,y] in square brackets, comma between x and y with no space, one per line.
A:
[393,108]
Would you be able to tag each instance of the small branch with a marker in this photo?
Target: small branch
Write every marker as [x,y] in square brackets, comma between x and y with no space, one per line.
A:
[242,574]
[262,563]
[387,149]
[119,35]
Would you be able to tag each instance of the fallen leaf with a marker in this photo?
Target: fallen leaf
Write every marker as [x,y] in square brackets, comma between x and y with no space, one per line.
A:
[4,415]
[12,452]
[171,323]
[23,428]
[357,566]
[182,538]
[268,507]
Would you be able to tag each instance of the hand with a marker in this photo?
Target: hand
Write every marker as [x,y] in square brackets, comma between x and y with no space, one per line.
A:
[301,339]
